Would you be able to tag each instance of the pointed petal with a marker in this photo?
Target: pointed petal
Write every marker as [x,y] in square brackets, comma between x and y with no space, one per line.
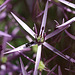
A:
[51,71]
[44,19]
[73,71]
[66,57]
[54,50]
[2,8]
[43,11]
[22,67]
[4,4]
[70,35]
[37,59]
[66,23]
[55,33]
[15,31]
[67,3]
[23,25]
[5,39]
[22,47]
[59,71]
[4,34]
[71,59]
[55,56]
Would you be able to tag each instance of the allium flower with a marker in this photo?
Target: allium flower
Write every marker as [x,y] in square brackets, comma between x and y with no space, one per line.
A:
[41,40]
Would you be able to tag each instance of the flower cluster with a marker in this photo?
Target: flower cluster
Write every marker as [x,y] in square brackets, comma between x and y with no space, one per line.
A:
[38,39]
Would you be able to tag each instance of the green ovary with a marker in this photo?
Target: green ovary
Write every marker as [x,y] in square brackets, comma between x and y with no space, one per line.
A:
[41,66]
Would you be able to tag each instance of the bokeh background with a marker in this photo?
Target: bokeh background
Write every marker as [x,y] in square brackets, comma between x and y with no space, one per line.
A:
[28,11]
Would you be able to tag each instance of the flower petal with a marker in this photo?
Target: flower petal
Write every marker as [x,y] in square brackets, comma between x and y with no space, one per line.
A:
[2,8]
[71,59]
[44,19]
[22,67]
[37,59]
[67,3]
[54,50]
[51,71]
[22,47]
[70,35]
[30,31]
[66,57]
[4,3]
[4,34]
[55,33]
[59,71]
[66,23]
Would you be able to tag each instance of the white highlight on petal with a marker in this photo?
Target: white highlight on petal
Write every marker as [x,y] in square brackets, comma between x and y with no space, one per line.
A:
[71,59]
[66,23]
[44,19]
[67,3]
[17,49]
[54,50]
[24,25]
[38,56]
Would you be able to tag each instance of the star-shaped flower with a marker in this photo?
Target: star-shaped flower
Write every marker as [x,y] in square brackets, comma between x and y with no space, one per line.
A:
[41,37]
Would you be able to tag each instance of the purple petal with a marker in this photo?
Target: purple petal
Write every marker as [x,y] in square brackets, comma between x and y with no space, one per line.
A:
[43,11]
[4,41]
[22,67]
[70,70]
[29,38]
[71,59]
[22,47]
[2,8]
[52,70]
[2,15]
[55,33]
[54,56]
[4,34]
[59,71]
[44,19]
[37,60]
[66,57]
[15,31]
[67,3]
[21,53]
[70,35]
[54,50]
[23,25]
[4,4]
[66,23]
